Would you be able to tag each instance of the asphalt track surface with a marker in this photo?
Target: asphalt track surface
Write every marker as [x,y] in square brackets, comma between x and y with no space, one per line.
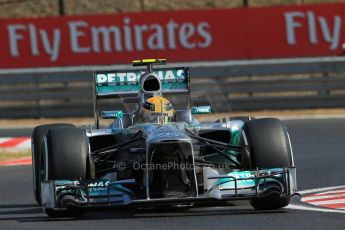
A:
[319,157]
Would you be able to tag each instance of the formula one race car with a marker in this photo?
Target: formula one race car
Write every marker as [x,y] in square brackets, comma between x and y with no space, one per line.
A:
[159,154]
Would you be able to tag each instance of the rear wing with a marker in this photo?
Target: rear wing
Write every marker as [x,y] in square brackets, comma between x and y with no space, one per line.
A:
[126,82]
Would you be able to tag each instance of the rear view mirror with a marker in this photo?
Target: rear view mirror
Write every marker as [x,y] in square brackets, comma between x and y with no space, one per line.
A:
[116,114]
[201,109]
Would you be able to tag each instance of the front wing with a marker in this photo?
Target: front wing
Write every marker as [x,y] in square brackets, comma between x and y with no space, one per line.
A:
[241,185]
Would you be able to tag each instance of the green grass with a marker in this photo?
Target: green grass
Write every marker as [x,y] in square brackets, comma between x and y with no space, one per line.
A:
[9,155]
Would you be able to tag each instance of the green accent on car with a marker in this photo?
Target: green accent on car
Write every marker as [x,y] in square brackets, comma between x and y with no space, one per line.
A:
[229,183]
[235,137]
[201,109]
[225,183]
[116,114]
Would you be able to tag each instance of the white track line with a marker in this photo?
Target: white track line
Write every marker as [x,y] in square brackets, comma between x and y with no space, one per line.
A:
[311,198]
[333,192]
[325,202]
[300,207]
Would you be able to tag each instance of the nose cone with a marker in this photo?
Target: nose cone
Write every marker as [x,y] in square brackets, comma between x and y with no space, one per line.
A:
[163,134]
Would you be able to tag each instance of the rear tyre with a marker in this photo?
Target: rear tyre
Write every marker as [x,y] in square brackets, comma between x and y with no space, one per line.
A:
[270,147]
[36,150]
[66,157]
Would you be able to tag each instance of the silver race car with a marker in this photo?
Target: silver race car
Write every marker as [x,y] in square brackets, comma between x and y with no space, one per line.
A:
[158,154]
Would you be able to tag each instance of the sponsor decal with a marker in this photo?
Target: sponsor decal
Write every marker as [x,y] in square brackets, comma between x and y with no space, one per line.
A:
[201,109]
[98,186]
[189,35]
[112,114]
[132,78]
[121,36]
[166,131]
[244,182]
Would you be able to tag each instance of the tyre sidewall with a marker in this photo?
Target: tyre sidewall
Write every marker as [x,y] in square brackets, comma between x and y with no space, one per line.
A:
[36,151]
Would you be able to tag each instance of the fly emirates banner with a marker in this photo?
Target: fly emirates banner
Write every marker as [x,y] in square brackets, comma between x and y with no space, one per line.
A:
[179,36]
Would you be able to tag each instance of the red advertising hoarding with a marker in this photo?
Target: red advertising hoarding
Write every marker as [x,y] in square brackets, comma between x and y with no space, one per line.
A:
[192,35]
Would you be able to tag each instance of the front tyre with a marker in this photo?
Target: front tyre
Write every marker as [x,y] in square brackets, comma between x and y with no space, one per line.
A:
[66,157]
[36,149]
[270,147]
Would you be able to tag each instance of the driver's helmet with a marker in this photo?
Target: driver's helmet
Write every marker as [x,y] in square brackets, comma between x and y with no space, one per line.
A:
[157,109]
